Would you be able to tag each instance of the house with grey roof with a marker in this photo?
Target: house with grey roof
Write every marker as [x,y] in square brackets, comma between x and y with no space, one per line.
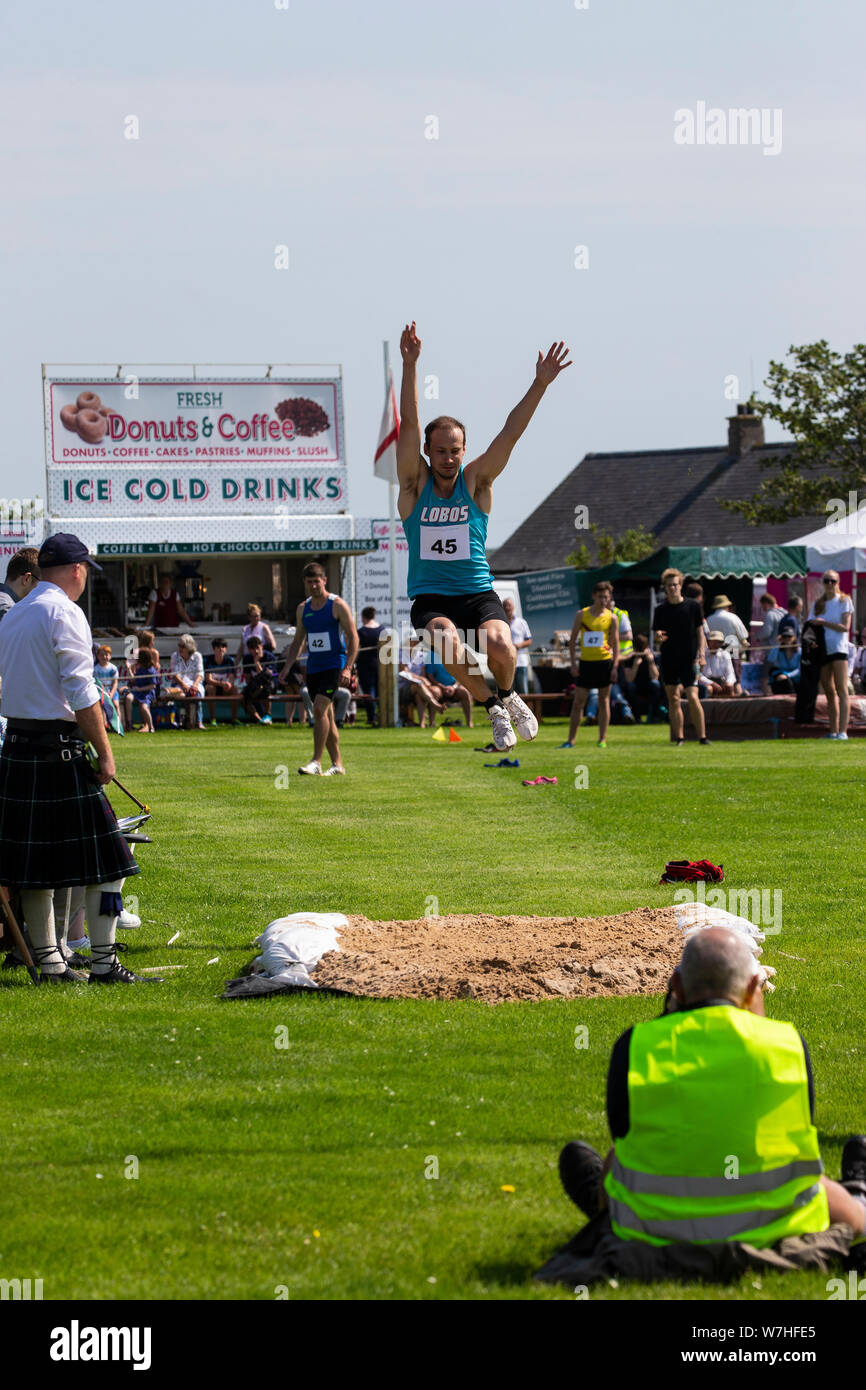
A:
[674,493]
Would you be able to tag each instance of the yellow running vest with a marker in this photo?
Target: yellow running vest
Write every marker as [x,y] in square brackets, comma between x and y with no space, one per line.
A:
[594,633]
[720,1144]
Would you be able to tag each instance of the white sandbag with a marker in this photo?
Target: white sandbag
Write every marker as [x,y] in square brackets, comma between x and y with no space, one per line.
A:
[291,947]
[694,917]
[700,915]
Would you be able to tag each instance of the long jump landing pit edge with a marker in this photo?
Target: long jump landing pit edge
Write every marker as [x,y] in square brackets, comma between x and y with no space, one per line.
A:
[502,959]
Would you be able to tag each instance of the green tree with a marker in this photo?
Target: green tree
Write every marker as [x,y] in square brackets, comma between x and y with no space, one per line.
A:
[634,544]
[820,399]
[580,559]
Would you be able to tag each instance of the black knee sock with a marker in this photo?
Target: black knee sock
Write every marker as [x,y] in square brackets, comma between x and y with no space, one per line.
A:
[494,700]
[504,694]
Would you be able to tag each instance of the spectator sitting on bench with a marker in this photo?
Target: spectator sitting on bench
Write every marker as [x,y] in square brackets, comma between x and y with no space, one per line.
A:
[783,664]
[219,677]
[717,677]
[142,688]
[187,679]
[260,679]
[447,690]
[639,679]
[413,688]
[725,620]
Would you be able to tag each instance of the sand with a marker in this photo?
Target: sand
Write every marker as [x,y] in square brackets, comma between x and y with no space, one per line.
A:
[497,959]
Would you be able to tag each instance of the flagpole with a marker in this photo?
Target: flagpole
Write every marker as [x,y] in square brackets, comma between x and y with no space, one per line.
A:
[392,563]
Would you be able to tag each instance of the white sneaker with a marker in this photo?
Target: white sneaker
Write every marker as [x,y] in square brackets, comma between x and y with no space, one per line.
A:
[313,769]
[127,921]
[521,716]
[842,736]
[335,772]
[503,734]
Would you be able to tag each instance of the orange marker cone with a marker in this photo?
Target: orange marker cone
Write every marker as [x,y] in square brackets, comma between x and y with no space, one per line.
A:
[454,737]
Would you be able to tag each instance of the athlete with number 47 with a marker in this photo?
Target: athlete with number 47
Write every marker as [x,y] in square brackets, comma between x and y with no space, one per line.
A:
[444,507]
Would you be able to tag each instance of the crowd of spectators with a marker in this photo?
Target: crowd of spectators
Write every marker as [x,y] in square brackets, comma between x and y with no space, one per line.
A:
[138,690]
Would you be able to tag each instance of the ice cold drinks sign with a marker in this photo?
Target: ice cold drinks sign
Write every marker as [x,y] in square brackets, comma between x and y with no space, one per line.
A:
[217,491]
[155,448]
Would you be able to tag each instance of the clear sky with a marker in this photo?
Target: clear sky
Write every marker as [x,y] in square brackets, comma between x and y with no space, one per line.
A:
[305,126]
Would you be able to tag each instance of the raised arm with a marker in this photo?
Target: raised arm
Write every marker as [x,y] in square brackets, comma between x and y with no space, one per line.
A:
[481,472]
[411,468]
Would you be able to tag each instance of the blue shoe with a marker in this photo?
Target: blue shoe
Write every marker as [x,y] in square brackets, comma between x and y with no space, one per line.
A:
[266,719]
[505,762]
[565,745]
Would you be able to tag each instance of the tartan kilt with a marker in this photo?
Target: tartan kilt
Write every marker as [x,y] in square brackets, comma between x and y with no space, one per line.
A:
[57,829]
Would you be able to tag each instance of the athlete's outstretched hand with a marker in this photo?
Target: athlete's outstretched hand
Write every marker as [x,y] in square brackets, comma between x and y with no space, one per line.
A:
[410,343]
[547,368]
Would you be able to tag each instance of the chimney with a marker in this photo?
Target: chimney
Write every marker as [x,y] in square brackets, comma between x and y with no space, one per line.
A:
[745,430]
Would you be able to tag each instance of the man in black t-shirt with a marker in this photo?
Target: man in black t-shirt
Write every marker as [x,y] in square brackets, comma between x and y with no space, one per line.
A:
[367,660]
[679,624]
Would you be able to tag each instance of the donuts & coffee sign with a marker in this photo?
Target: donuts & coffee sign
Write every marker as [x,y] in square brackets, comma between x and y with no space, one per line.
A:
[156,447]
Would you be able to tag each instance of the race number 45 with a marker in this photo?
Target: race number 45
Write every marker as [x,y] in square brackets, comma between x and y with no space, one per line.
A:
[444,543]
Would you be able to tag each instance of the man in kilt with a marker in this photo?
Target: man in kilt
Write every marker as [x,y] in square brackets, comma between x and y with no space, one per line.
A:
[57,829]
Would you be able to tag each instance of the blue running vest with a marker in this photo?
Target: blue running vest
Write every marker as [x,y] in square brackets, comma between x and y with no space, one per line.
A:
[447,541]
[325,651]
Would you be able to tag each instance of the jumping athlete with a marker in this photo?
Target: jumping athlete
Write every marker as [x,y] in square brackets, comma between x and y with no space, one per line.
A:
[323,621]
[444,507]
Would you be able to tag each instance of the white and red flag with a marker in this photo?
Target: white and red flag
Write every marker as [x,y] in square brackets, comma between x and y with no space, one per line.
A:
[385,461]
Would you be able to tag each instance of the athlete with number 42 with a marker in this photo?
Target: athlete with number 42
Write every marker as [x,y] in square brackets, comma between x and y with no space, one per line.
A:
[444,507]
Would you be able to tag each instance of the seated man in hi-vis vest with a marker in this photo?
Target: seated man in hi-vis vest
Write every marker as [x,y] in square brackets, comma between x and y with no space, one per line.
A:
[711,1112]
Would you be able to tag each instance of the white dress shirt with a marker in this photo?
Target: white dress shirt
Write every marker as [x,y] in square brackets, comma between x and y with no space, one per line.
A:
[46,657]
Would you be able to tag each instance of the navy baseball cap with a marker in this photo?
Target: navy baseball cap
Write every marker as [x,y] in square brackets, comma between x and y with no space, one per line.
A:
[64,549]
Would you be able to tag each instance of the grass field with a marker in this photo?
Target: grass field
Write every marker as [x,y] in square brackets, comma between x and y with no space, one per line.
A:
[304,1166]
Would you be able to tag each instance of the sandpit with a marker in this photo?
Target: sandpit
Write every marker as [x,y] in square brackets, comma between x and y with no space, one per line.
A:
[497,959]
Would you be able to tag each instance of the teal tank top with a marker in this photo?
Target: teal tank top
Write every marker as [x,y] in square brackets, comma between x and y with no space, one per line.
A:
[447,539]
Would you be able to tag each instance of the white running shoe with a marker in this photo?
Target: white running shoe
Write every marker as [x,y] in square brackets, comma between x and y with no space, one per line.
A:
[127,921]
[521,716]
[503,734]
[335,772]
[313,769]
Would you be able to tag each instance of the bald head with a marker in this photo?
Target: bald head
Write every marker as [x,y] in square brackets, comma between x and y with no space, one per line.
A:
[716,964]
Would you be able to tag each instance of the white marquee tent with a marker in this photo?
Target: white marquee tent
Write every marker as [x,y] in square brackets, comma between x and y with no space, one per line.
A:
[840,544]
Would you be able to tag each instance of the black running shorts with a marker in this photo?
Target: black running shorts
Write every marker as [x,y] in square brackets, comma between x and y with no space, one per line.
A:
[466,611]
[678,672]
[594,675]
[324,683]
